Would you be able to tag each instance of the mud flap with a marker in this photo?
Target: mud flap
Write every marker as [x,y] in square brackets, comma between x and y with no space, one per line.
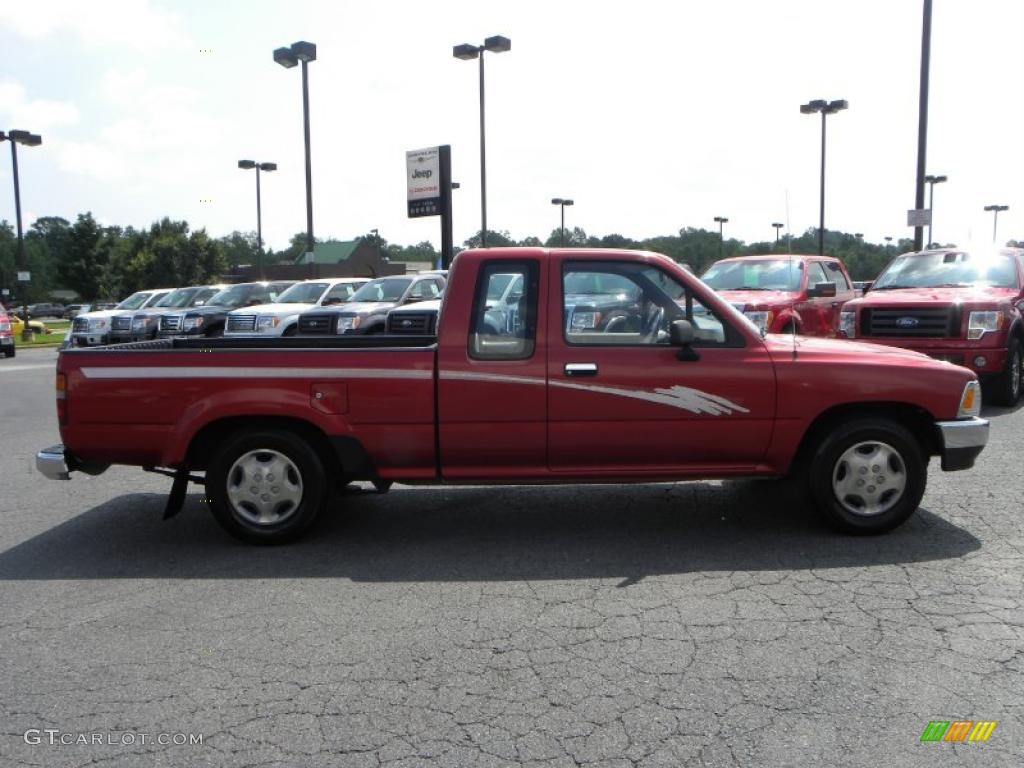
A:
[176,499]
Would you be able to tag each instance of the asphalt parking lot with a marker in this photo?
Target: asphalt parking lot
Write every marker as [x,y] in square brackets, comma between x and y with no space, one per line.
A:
[659,625]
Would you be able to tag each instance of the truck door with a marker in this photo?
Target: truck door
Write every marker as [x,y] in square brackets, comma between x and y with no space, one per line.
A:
[492,407]
[620,400]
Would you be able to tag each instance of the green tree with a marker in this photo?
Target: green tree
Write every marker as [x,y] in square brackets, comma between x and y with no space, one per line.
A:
[495,238]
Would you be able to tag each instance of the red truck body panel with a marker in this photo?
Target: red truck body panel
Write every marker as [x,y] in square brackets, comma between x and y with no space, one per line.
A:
[415,411]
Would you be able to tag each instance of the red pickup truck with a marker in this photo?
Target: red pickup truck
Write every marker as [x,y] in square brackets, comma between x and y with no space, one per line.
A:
[966,307]
[784,293]
[682,387]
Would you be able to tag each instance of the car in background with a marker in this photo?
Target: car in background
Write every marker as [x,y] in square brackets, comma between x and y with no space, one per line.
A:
[420,318]
[92,329]
[784,293]
[280,318]
[366,312]
[6,334]
[962,306]
[46,309]
[209,319]
[71,311]
[141,325]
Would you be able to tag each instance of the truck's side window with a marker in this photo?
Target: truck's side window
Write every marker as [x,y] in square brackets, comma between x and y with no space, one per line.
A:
[835,275]
[815,275]
[504,330]
[627,304]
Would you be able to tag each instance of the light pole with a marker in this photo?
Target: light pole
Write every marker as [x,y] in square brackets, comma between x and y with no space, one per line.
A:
[288,58]
[248,165]
[932,181]
[721,221]
[826,108]
[778,226]
[562,202]
[17,137]
[495,44]
[994,208]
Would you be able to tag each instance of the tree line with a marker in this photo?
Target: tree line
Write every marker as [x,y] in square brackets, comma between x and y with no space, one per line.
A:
[97,261]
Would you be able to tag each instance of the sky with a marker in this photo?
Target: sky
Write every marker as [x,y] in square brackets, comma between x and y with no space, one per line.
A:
[650,115]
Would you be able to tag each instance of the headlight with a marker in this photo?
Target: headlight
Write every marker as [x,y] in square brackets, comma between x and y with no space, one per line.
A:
[970,400]
[762,320]
[97,323]
[263,322]
[191,323]
[584,321]
[848,324]
[141,323]
[980,323]
[348,323]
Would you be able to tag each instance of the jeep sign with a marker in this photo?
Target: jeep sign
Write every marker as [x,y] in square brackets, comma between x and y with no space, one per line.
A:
[423,182]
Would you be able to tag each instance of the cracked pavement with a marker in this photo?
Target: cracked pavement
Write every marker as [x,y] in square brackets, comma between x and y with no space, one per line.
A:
[707,624]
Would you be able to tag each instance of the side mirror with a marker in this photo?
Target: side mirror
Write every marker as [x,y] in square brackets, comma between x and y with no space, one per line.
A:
[680,334]
[821,291]
[867,286]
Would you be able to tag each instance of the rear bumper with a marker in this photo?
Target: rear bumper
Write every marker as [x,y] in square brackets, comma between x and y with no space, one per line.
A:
[55,463]
[962,441]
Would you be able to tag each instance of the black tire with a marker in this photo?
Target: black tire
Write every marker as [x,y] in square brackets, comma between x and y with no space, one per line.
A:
[248,457]
[868,507]
[9,352]
[291,330]
[1006,387]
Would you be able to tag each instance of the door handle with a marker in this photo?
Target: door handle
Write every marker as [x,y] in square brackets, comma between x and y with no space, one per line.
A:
[581,369]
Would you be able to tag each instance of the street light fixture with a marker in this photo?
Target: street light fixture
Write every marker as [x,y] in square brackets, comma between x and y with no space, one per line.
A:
[248,165]
[289,57]
[495,44]
[931,181]
[826,108]
[994,208]
[17,137]
[721,221]
[562,202]
[778,226]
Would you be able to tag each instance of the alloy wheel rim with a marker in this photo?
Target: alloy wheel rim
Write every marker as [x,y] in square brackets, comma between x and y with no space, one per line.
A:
[264,487]
[869,478]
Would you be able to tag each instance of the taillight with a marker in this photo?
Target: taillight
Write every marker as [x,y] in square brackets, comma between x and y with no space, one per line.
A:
[62,399]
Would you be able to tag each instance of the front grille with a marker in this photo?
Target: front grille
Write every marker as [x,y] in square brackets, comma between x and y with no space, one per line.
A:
[239,323]
[315,324]
[920,322]
[170,322]
[80,325]
[412,323]
[121,323]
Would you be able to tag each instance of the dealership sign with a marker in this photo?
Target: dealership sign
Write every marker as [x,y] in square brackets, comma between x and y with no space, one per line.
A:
[423,182]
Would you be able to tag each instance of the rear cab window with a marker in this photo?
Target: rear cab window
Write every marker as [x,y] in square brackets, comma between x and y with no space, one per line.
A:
[507,329]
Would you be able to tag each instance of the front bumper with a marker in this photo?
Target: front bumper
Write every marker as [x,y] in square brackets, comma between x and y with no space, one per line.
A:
[962,441]
[125,337]
[89,339]
[958,351]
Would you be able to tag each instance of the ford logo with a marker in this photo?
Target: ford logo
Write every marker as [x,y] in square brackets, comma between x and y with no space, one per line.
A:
[907,322]
[406,323]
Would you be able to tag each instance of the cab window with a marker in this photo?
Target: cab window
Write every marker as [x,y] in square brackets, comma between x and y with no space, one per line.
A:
[504,330]
[834,274]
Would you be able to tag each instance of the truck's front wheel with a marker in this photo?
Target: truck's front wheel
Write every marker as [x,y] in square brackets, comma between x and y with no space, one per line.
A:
[266,486]
[867,476]
[1006,388]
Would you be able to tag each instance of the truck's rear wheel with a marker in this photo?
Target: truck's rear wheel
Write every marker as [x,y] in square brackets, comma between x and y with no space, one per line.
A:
[1006,387]
[867,476]
[266,486]
[9,352]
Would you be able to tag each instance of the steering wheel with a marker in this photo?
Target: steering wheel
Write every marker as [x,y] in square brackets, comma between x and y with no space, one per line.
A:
[653,324]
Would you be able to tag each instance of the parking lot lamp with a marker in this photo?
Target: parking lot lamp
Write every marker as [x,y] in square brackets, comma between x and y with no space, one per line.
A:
[721,221]
[288,57]
[778,226]
[825,108]
[17,137]
[932,181]
[495,44]
[562,202]
[249,165]
[994,208]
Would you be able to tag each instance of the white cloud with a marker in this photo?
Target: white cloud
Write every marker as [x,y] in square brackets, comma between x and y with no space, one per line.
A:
[37,115]
[134,23]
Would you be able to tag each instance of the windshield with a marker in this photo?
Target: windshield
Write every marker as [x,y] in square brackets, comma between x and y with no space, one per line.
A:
[135,301]
[949,269]
[182,297]
[383,289]
[597,283]
[303,293]
[235,296]
[760,275]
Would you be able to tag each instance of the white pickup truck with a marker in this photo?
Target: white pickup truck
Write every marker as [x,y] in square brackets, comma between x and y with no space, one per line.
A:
[281,317]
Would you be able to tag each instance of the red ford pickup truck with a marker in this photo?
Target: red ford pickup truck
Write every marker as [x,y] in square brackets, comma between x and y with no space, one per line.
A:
[962,306]
[783,293]
[684,387]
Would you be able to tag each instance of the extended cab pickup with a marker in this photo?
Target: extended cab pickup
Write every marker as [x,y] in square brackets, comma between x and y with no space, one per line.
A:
[964,307]
[693,392]
[784,293]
